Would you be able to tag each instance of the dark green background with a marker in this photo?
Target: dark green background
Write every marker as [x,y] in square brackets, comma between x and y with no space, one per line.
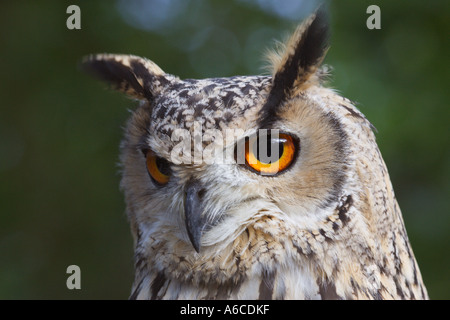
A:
[60,202]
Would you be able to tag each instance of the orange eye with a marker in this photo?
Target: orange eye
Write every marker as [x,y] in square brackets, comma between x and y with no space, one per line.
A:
[270,155]
[158,168]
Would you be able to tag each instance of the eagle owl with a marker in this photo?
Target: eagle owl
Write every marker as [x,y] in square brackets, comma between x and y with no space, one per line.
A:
[257,187]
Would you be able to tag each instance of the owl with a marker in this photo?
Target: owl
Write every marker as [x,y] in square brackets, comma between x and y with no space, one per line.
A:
[257,187]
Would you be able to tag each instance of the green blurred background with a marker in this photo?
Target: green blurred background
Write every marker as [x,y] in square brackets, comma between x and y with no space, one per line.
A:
[60,202]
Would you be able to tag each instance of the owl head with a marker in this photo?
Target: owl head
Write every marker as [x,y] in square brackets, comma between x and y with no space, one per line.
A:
[203,159]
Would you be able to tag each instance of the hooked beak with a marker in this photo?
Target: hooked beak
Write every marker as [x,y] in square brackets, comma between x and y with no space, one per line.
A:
[193,210]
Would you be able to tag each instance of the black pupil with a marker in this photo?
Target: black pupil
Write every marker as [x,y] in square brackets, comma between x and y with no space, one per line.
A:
[271,149]
[163,166]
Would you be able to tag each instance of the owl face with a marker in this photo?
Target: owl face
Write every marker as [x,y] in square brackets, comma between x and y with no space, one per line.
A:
[209,198]
[228,180]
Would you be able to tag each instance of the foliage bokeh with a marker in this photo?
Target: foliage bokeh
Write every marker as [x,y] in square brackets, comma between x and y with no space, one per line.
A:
[60,202]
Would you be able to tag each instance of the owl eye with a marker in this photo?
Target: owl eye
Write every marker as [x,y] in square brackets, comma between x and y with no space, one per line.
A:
[269,155]
[157,167]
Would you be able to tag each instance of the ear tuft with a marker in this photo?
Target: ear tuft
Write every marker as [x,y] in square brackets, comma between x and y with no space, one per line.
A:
[295,62]
[135,76]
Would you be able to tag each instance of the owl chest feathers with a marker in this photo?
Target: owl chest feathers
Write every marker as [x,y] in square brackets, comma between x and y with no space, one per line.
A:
[272,259]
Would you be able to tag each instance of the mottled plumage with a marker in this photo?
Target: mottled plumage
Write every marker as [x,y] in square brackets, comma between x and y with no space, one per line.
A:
[326,227]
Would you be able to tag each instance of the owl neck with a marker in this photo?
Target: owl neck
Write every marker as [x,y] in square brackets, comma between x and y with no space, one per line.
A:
[272,259]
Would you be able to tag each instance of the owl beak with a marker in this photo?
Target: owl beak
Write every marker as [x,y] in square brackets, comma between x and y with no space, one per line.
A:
[193,209]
